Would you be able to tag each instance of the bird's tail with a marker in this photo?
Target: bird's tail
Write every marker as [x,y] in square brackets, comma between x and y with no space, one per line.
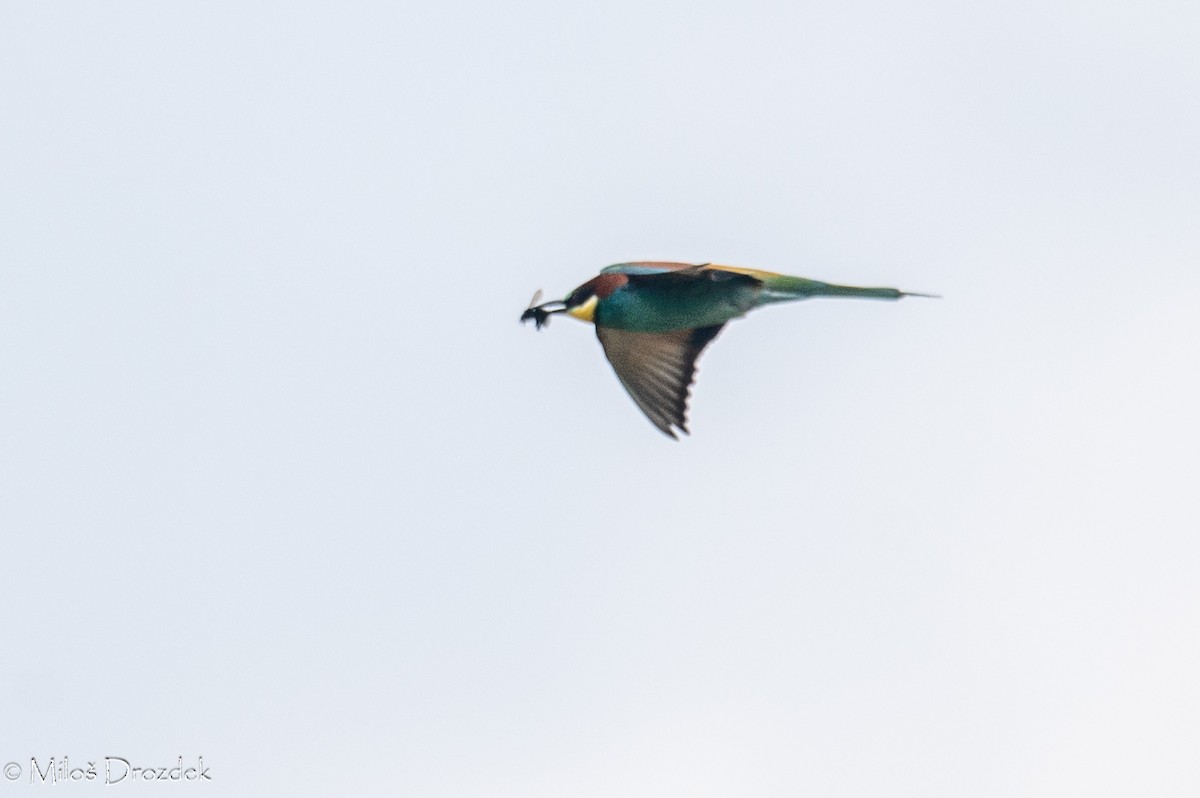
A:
[784,288]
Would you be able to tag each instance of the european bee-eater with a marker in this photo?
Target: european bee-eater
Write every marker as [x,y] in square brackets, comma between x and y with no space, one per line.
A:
[654,319]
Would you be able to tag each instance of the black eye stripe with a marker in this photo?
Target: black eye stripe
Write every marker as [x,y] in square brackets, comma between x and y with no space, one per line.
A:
[579,296]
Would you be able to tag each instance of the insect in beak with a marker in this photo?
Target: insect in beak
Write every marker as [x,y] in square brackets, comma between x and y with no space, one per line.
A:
[541,313]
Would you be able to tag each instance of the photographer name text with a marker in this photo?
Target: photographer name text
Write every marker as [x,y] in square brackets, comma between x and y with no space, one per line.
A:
[110,770]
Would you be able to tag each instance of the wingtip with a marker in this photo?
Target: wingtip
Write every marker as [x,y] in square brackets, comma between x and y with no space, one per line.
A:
[671,430]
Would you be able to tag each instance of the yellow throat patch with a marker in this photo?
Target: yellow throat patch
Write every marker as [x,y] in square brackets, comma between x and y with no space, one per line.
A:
[586,311]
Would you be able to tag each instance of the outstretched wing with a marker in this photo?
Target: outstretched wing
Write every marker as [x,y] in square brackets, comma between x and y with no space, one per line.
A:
[647,267]
[657,369]
[711,271]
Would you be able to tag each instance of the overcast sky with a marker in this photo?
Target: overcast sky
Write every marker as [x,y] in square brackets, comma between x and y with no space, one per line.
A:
[284,484]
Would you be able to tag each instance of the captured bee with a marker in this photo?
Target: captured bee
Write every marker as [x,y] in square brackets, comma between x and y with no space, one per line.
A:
[541,313]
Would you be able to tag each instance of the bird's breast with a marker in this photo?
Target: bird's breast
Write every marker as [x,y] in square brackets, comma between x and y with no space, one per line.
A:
[660,311]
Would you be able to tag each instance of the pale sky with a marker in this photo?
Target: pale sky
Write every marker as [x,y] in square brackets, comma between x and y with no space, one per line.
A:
[284,484]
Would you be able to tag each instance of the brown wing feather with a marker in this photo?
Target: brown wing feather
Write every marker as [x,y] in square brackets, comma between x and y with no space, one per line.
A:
[657,369]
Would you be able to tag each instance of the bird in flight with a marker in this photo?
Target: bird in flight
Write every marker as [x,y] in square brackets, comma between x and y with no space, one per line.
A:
[654,319]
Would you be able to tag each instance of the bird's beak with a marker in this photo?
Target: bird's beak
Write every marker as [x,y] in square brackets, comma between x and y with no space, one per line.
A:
[541,313]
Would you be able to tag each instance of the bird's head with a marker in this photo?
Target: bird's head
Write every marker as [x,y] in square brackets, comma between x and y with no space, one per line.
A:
[580,303]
